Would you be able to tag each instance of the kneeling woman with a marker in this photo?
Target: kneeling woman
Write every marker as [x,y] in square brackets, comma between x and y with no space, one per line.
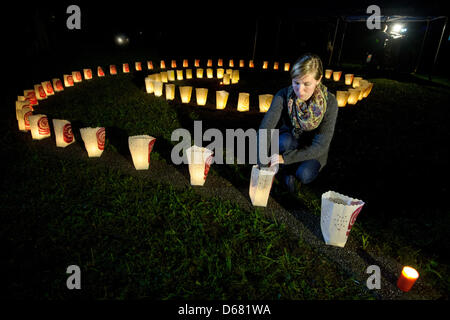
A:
[305,114]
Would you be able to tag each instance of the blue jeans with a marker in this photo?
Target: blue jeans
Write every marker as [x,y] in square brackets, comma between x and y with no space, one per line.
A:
[307,170]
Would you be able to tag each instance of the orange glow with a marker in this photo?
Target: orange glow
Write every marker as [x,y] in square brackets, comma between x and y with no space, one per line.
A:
[407,279]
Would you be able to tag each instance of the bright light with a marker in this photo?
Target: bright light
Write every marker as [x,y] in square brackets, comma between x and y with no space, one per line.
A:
[397,28]
[121,39]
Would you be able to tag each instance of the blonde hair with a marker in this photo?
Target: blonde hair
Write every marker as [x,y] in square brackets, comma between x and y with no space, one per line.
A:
[308,63]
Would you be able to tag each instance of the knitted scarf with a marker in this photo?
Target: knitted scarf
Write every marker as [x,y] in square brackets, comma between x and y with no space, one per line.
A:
[307,115]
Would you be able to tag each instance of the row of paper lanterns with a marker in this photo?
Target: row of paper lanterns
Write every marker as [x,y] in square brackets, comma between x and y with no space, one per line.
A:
[360,87]
[155,83]
[220,63]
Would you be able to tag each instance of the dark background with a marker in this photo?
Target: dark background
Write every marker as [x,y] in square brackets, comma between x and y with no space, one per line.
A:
[40,45]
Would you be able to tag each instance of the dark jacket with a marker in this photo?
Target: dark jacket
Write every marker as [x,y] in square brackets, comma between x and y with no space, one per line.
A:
[313,144]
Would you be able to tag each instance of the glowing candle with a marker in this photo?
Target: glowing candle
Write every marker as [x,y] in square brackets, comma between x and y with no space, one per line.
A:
[112,69]
[149,65]
[87,74]
[179,74]
[220,72]
[407,279]
[337,75]
[100,72]
[174,64]
[349,78]
[197,63]
[328,73]
[287,66]
[125,68]
[243,101]
[199,73]
[265,64]
[342,97]
[185,93]
[138,66]
[209,73]
[220,63]
[185,63]
[231,63]
[221,99]
[241,63]
[251,64]
[170,91]
[201,95]
[162,64]
[275,66]
[188,73]
[209,63]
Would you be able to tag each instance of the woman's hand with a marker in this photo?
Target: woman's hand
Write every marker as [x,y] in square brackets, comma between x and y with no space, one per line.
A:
[280,159]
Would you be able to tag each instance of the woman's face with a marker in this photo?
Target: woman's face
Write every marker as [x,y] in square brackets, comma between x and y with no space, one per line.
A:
[304,86]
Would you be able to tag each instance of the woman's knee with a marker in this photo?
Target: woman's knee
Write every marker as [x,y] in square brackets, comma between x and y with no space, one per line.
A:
[308,171]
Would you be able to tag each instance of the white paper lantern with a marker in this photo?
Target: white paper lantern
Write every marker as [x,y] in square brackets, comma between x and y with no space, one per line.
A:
[221,99]
[77,76]
[40,92]
[199,73]
[201,95]
[261,181]
[170,91]
[87,74]
[138,66]
[162,64]
[265,64]
[164,76]
[356,81]
[171,75]
[180,75]
[231,63]
[337,75]
[243,102]
[40,128]
[328,73]
[197,63]
[125,68]
[185,93]
[241,63]
[173,64]
[57,85]
[349,78]
[342,98]
[140,148]
[209,73]
[235,76]
[188,73]
[337,217]
[23,116]
[112,70]
[158,88]
[30,95]
[68,80]
[226,79]
[94,140]
[209,63]
[199,160]
[185,63]
[287,66]
[220,72]
[265,100]
[149,85]
[353,96]
[63,133]
[48,88]
[149,65]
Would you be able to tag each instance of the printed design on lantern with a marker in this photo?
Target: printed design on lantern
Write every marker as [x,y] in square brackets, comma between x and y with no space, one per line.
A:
[59,85]
[78,76]
[43,126]
[100,72]
[26,119]
[113,69]
[70,80]
[353,219]
[67,133]
[207,165]
[89,74]
[49,88]
[101,138]
[42,93]
[150,148]
[126,68]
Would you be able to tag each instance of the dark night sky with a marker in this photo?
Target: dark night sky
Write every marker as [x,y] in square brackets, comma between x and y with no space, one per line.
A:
[200,29]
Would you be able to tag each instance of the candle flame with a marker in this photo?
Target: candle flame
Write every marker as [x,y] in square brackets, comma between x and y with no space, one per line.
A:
[410,273]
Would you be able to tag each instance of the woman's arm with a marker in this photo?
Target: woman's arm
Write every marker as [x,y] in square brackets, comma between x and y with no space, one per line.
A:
[321,140]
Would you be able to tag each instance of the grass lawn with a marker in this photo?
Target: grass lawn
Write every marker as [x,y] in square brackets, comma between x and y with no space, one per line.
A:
[134,238]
